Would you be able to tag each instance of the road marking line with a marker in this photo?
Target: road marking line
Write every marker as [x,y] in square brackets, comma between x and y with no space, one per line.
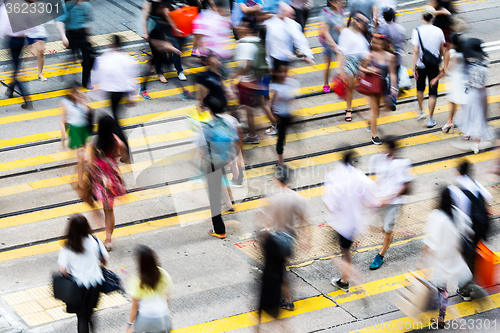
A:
[175,220]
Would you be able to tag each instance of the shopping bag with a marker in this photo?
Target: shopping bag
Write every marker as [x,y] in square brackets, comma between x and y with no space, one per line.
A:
[486,266]
[339,86]
[66,289]
[404,79]
[183,18]
[414,298]
[370,84]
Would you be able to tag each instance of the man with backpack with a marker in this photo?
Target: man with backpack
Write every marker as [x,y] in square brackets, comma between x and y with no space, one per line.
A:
[428,48]
[471,197]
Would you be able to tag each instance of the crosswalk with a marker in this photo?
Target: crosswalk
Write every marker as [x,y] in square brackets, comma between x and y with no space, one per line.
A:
[33,166]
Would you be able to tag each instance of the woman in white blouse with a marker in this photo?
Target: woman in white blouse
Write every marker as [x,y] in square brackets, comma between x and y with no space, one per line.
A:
[80,258]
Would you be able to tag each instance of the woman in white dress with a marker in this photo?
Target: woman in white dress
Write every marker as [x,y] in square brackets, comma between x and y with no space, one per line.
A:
[454,66]
[474,121]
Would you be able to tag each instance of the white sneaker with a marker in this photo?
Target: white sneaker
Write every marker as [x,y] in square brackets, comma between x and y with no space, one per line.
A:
[475,148]
[431,122]
[272,130]
[422,115]
[181,76]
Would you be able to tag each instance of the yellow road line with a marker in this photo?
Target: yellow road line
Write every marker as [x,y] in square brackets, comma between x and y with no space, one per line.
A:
[186,218]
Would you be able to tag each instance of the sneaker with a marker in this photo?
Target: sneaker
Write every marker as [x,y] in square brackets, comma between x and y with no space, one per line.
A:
[181,76]
[465,295]
[9,93]
[212,233]
[341,285]
[326,89]
[272,130]
[475,148]
[376,141]
[251,140]
[236,184]
[186,95]
[422,115]
[377,262]
[287,305]
[27,106]
[431,122]
[144,94]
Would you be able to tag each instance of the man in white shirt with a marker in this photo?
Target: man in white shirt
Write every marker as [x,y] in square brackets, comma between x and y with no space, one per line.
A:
[283,35]
[393,178]
[116,73]
[432,39]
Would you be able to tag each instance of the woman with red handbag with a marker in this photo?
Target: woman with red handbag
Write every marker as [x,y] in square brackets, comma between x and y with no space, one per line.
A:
[372,81]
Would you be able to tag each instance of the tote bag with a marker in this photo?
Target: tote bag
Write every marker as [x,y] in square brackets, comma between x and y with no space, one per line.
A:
[370,84]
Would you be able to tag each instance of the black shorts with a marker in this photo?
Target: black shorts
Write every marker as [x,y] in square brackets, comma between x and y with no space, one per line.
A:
[344,242]
[429,73]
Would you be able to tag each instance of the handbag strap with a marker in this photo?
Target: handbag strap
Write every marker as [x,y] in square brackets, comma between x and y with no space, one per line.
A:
[420,40]
[101,257]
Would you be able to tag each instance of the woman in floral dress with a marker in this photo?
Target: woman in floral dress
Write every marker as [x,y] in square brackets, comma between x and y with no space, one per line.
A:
[106,180]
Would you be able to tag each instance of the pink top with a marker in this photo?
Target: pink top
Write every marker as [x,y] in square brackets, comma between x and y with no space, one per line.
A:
[216,32]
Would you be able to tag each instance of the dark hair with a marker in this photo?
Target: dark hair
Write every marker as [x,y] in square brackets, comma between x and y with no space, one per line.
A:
[390,141]
[427,17]
[116,40]
[214,104]
[456,39]
[463,168]
[105,139]
[283,174]
[347,158]
[148,267]
[73,86]
[277,65]
[330,2]
[446,202]
[389,15]
[78,230]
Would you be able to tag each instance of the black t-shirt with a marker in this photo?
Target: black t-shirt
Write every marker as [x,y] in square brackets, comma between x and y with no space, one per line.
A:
[213,82]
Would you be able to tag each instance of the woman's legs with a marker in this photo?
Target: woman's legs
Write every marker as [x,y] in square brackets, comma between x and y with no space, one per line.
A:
[375,107]
[443,302]
[83,323]
[262,102]
[326,72]
[282,126]
[347,262]
[80,165]
[451,114]
[109,224]
[348,95]
[40,57]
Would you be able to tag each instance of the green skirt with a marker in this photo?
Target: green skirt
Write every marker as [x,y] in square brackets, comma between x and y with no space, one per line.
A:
[77,136]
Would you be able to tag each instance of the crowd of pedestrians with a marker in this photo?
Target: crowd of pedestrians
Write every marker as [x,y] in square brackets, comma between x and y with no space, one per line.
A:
[369,47]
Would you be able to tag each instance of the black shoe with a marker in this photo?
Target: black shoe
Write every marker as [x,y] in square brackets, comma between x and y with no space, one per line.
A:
[9,93]
[341,285]
[287,306]
[27,106]
[376,141]
[465,295]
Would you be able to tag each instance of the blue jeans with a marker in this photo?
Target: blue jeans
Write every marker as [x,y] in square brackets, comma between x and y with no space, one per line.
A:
[16,45]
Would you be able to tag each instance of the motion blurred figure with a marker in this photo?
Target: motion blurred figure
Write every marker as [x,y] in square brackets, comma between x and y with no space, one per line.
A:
[79,257]
[150,295]
[116,72]
[74,27]
[37,38]
[15,41]
[285,208]
[347,192]
[106,179]
[302,8]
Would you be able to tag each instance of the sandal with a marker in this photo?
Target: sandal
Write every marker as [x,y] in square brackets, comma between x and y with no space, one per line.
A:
[348,118]
[326,89]
[438,321]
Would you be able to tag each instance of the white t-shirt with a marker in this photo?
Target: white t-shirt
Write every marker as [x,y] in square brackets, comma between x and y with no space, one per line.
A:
[76,115]
[432,38]
[284,94]
[353,44]
[460,199]
[392,174]
[245,51]
[84,266]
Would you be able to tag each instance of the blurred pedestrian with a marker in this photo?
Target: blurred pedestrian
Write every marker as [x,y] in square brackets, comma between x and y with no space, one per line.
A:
[75,118]
[80,257]
[116,73]
[442,249]
[15,41]
[384,6]
[393,177]
[37,38]
[106,179]
[150,295]
[454,66]
[430,38]
[471,198]
[382,64]
[332,18]
[443,17]
[474,119]
[368,8]
[210,83]
[348,191]
[220,139]
[302,9]
[353,47]
[396,35]
[284,90]
[285,208]
[74,27]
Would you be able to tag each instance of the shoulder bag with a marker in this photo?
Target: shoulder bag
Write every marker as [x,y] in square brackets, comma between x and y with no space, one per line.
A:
[370,84]
[112,281]
[429,59]
[66,289]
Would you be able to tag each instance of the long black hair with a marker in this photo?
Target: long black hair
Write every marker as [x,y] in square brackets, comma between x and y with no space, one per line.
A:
[446,202]
[105,139]
[148,267]
[78,230]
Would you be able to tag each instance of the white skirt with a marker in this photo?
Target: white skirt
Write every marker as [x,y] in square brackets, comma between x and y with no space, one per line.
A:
[456,94]
[473,120]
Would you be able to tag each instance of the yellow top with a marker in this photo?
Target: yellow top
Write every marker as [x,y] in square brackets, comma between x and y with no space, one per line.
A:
[137,292]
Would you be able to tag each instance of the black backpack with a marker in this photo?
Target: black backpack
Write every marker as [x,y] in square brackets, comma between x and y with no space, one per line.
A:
[478,215]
